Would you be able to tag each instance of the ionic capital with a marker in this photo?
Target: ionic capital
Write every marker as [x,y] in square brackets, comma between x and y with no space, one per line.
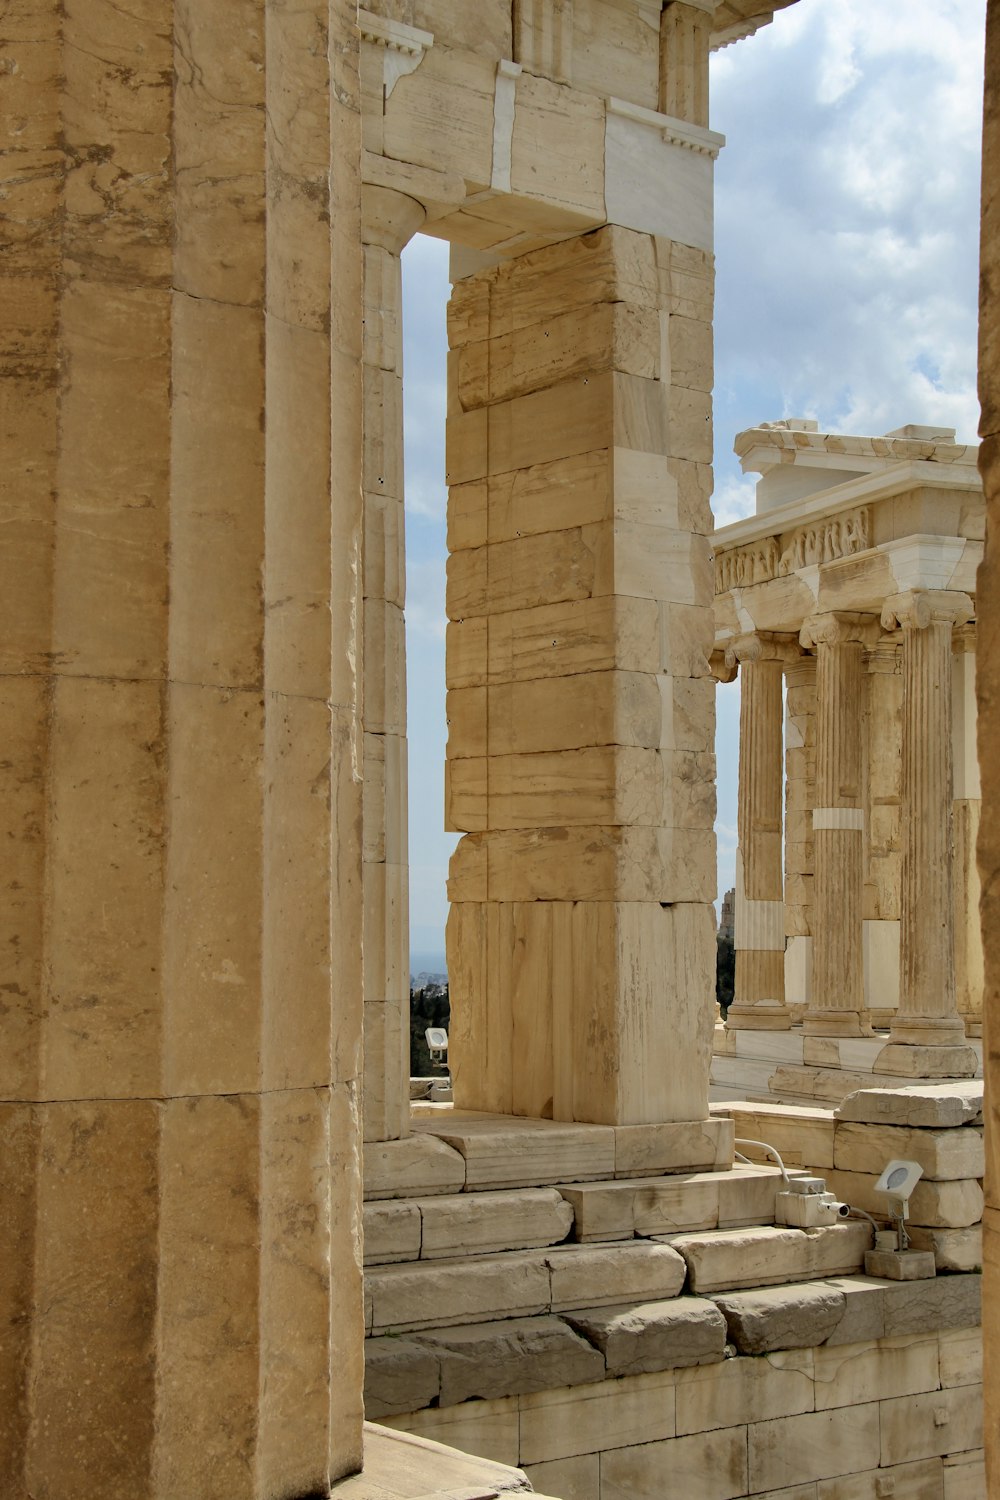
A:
[761,645]
[916,608]
[838,629]
[723,670]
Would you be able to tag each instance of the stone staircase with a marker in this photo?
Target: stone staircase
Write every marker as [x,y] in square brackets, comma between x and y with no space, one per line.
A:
[482,1284]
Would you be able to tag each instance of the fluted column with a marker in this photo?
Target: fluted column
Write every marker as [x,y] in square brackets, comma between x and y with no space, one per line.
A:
[836,1006]
[800,784]
[389,220]
[967,806]
[759,997]
[927,1036]
[882,787]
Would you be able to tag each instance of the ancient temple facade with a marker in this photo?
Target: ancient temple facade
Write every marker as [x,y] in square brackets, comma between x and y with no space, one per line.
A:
[847,606]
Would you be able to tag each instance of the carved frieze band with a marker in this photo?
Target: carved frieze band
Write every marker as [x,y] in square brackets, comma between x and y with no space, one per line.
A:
[776,556]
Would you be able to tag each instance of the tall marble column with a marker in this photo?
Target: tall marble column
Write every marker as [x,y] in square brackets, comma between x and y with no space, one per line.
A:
[837,1002]
[389,220]
[882,784]
[759,996]
[800,787]
[927,1036]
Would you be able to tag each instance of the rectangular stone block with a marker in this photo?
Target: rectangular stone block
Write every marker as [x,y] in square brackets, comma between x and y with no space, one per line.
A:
[401,1375]
[477,1223]
[964,1476]
[654,1335]
[765,1256]
[429,1295]
[392,1232]
[932,1106]
[961,1356]
[739,1391]
[944,1154]
[934,1423]
[594,1418]
[571,637]
[564,713]
[924,1306]
[709,1466]
[489,1360]
[487,1429]
[418,1164]
[813,1446]
[504,1152]
[684,1146]
[585,1276]
[938,1205]
[803,1137]
[848,1375]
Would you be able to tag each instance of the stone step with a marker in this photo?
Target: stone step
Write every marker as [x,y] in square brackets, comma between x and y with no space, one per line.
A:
[846,1310]
[509,1357]
[517,1284]
[464,1224]
[723,1260]
[689,1201]
[452,1151]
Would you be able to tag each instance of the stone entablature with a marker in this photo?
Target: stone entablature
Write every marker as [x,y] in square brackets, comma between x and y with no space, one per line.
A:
[807,546]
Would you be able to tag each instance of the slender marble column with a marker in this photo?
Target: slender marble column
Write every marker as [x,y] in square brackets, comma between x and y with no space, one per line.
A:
[927,1036]
[836,1006]
[759,999]
[967,807]
[800,787]
[882,787]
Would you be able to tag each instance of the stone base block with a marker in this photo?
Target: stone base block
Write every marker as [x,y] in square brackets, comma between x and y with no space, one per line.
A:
[933,1106]
[654,1335]
[767,1257]
[904,1060]
[503,1151]
[758,1018]
[944,1155]
[647,1150]
[900,1265]
[416,1165]
[672,1205]
[953,1249]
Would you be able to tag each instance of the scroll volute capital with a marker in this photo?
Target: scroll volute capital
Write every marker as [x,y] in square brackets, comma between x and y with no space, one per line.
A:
[761,645]
[839,629]
[914,609]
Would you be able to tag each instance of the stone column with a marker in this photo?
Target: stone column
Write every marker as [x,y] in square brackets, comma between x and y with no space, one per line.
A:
[800,786]
[181,800]
[836,1006]
[882,789]
[685,32]
[580,707]
[927,1036]
[967,807]
[389,220]
[759,996]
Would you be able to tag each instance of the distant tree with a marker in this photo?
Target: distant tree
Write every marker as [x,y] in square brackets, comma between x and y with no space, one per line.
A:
[725,972]
[429,1006]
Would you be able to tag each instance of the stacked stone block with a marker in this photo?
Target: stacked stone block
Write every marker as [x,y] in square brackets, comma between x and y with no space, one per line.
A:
[580,703]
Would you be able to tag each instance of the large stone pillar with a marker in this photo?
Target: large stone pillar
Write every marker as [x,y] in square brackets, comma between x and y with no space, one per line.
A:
[389,220]
[837,1001]
[967,809]
[927,1036]
[800,787]
[180,1295]
[759,996]
[580,766]
[988,696]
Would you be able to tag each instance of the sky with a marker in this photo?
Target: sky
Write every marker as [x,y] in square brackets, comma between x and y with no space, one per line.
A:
[847,217]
